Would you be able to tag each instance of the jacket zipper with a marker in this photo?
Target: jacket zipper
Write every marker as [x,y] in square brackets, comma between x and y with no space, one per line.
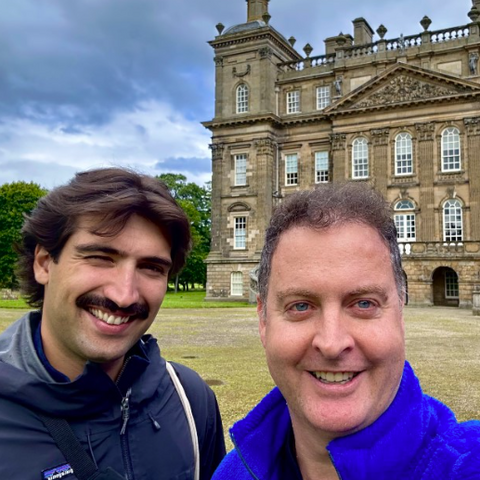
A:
[125,409]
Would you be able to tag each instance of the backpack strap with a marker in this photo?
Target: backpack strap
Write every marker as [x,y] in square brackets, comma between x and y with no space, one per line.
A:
[80,462]
[188,413]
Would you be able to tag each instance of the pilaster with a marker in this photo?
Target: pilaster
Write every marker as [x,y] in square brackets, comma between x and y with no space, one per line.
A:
[426,139]
[217,174]
[380,139]
[472,126]
[339,143]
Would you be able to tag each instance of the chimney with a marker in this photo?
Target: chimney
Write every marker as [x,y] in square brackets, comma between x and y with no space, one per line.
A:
[362,32]
[256,9]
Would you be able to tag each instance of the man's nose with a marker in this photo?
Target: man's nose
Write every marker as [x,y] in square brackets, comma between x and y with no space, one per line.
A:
[122,286]
[333,337]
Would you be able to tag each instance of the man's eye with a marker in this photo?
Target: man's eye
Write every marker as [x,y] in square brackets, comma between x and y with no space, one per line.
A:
[98,258]
[157,269]
[364,304]
[301,307]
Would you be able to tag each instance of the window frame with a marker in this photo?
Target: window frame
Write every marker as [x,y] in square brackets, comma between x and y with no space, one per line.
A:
[451,150]
[457,221]
[322,175]
[293,104]
[291,177]
[235,284]
[451,286]
[240,174]
[242,98]
[360,164]
[237,232]
[403,154]
[323,97]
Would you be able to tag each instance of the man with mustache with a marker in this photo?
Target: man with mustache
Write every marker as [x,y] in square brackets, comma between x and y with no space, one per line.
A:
[347,404]
[95,258]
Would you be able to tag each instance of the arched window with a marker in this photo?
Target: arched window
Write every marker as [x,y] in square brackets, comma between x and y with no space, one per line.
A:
[405,221]
[360,158]
[242,98]
[452,221]
[403,154]
[451,159]
[236,286]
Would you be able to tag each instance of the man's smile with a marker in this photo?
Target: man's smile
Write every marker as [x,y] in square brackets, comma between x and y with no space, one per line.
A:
[109,318]
[334,377]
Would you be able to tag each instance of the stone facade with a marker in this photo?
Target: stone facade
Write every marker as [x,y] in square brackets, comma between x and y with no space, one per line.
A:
[403,114]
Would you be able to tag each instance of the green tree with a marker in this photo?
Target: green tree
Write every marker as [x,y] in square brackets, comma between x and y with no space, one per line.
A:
[196,202]
[16,200]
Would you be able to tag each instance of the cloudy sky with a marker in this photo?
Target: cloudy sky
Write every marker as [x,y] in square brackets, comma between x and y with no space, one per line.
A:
[90,83]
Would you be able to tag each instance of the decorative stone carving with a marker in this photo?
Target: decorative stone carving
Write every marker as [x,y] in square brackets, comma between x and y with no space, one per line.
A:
[337,83]
[217,150]
[338,141]
[265,146]
[472,125]
[241,74]
[473,63]
[265,52]
[380,136]
[425,131]
[218,61]
[404,88]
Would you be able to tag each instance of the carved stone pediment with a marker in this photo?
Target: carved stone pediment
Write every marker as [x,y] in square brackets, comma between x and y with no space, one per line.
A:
[405,88]
[404,84]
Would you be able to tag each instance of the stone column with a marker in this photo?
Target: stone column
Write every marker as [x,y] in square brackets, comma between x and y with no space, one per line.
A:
[217,180]
[473,147]
[476,300]
[339,145]
[266,150]
[218,86]
[425,138]
[379,171]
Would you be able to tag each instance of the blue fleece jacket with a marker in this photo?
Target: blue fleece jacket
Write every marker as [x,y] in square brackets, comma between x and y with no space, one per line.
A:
[416,438]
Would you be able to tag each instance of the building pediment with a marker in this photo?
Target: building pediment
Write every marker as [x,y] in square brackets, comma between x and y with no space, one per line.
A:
[402,85]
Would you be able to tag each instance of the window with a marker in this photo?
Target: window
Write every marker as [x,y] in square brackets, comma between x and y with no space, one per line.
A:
[242,98]
[236,283]
[240,234]
[452,221]
[321,167]
[241,169]
[291,169]
[451,284]
[293,101]
[405,222]
[403,154]
[323,97]
[360,158]
[450,149]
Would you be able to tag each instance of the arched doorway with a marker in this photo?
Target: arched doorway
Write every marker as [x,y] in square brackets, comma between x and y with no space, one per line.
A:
[445,287]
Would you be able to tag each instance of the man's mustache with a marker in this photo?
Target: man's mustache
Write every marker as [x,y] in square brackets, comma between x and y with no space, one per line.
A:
[137,310]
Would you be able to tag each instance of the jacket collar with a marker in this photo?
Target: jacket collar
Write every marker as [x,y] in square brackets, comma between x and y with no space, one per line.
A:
[388,445]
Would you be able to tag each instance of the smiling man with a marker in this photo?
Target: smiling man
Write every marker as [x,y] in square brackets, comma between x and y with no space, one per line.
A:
[347,404]
[95,257]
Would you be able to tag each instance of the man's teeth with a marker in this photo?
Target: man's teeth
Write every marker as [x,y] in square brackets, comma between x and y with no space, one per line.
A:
[110,319]
[331,377]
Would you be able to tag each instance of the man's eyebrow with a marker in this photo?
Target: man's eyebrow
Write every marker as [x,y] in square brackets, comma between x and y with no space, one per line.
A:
[295,292]
[99,248]
[370,289]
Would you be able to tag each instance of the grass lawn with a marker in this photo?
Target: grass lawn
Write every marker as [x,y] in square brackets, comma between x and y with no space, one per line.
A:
[222,344]
[191,299]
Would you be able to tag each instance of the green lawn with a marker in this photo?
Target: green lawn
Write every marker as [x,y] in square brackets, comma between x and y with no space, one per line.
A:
[191,299]
[222,344]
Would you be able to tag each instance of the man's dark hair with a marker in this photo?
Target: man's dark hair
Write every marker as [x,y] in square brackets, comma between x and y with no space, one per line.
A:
[111,195]
[327,206]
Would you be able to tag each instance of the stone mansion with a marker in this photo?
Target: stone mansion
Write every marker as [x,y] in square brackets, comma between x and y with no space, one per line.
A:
[400,113]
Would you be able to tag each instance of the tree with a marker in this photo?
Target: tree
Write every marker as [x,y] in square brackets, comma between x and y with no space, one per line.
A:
[16,200]
[196,202]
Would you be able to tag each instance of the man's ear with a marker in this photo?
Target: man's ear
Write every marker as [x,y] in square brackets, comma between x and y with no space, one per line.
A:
[261,320]
[41,265]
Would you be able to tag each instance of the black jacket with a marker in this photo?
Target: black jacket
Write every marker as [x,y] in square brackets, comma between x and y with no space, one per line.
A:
[156,444]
